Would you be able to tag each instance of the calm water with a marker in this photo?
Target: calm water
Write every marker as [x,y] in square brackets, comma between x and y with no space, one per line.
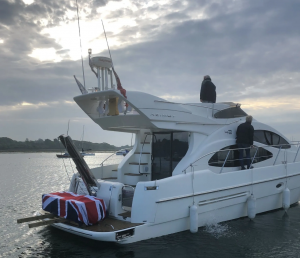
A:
[25,177]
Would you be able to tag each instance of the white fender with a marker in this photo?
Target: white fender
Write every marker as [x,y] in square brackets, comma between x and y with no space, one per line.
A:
[194,219]
[251,204]
[286,199]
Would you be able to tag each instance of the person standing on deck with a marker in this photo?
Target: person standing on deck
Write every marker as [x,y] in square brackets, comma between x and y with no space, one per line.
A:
[208,91]
[244,139]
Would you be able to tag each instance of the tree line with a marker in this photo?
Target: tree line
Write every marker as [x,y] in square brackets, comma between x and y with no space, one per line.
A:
[7,144]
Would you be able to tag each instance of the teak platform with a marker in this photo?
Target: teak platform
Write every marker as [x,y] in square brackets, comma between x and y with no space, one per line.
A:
[106,225]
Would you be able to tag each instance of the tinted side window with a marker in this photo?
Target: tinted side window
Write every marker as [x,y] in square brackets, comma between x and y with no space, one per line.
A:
[230,113]
[167,151]
[259,136]
[276,138]
[219,157]
[270,138]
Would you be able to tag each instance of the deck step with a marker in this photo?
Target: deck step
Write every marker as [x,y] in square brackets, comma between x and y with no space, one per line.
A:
[132,174]
[142,153]
[109,178]
[126,214]
[136,163]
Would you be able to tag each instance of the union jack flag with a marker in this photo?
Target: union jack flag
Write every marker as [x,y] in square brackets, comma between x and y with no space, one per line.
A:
[79,208]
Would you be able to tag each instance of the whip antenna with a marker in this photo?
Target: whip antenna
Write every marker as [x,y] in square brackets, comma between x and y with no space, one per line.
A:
[107,44]
[119,85]
[80,44]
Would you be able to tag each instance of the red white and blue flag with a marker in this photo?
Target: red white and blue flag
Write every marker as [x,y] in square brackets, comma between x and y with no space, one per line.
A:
[79,208]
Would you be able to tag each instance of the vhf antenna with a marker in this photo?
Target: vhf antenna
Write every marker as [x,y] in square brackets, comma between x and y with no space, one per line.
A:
[107,44]
[80,45]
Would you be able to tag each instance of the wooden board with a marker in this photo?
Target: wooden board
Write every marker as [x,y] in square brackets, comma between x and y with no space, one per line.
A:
[28,219]
[46,222]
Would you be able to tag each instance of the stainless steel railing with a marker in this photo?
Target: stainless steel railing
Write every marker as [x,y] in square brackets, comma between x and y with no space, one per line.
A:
[279,146]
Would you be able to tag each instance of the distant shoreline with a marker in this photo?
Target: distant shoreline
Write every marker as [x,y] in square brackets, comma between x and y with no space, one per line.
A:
[50,151]
[11,146]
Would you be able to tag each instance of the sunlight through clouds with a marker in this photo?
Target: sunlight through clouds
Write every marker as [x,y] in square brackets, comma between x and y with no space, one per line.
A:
[23,105]
[92,35]
[162,47]
[45,54]
[28,1]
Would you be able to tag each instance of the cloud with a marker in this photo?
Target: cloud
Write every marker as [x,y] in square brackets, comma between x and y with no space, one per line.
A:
[250,49]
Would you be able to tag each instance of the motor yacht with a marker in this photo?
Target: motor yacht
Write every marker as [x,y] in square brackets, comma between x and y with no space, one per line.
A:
[183,171]
[122,152]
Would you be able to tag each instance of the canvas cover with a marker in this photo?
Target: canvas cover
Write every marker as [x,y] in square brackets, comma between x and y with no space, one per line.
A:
[78,208]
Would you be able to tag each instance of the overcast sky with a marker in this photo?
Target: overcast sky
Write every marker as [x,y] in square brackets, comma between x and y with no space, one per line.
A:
[163,47]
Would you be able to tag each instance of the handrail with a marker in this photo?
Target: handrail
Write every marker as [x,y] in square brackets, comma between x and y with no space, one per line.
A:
[263,146]
[214,110]
[297,153]
[225,161]
[101,164]
[108,158]
[194,105]
[277,156]
[254,157]
[232,160]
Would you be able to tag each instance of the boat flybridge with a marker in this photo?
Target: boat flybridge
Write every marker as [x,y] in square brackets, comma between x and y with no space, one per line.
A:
[183,171]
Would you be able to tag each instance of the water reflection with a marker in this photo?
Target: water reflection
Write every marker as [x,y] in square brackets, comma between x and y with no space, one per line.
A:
[25,177]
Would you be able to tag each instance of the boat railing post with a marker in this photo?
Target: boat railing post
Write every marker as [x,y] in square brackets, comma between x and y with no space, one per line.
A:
[225,161]
[297,153]
[106,79]
[253,156]
[102,170]
[98,73]
[277,155]
[111,79]
[102,77]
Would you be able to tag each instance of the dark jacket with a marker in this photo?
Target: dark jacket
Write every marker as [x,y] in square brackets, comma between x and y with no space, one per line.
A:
[208,91]
[244,133]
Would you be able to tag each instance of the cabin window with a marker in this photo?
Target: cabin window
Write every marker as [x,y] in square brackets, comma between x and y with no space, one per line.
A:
[167,151]
[270,138]
[219,157]
[230,113]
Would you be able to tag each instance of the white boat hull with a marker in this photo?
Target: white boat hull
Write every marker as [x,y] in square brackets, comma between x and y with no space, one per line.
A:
[172,214]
